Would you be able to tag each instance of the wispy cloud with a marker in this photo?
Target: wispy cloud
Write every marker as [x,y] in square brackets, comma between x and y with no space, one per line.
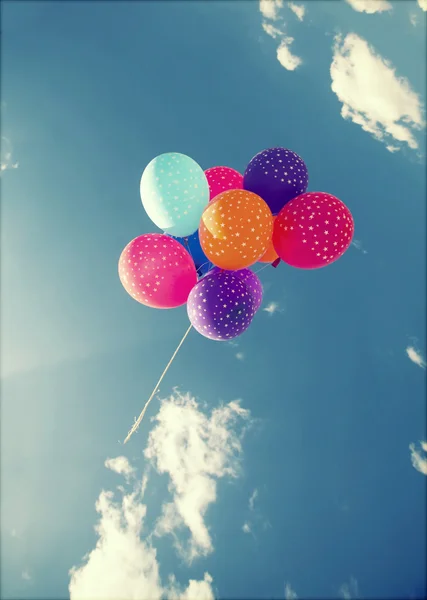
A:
[415,356]
[358,245]
[419,457]
[350,590]
[272,31]
[297,9]
[269,8]
[413,18]
[371,93]
[240,356]
[252,499]
[392,148]
[25,575]
[370,6]
[272,308]
[289,592]
[6,158]
[255,518]
[195,451]
[422,4]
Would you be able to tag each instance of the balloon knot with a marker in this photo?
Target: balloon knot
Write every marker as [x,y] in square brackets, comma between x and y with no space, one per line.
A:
[276,263]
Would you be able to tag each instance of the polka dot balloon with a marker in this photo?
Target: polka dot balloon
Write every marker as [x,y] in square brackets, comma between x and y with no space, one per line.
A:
[157,271]
[174,192]
[221,179]
[277,175]
[221,307]
[252,282]
[313,230]
[235,229]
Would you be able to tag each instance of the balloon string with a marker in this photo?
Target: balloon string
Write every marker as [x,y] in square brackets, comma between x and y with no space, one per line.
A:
[141,416]
[262,268]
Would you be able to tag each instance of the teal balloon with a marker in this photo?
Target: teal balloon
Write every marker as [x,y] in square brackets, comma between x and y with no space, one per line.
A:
[174,192]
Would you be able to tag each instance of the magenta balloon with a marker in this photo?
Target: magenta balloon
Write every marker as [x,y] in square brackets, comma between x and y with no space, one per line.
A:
[157,271]
[221,307]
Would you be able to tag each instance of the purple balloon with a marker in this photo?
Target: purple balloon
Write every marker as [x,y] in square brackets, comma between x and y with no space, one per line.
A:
[277,175]
[251,281]
[221,306]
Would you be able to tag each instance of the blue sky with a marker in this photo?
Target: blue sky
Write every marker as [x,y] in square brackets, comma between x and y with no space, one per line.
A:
[303,474]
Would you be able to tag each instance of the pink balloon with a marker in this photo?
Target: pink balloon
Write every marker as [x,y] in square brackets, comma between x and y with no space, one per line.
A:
[221,179]
[157,271]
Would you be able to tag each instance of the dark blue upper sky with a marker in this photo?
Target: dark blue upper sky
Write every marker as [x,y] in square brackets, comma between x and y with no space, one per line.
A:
[313,490]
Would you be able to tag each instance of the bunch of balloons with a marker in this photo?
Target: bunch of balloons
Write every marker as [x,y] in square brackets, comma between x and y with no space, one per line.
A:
[216,224]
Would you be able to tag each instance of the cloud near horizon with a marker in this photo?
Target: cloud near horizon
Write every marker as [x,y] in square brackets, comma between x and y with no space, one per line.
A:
[195,450]
[372,95]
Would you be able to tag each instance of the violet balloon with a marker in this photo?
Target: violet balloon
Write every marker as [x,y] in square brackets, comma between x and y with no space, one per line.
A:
[277,175]
[252,282]
[221,306]
[157,271]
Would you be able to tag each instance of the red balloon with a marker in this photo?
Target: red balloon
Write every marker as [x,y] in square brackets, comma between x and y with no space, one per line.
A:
[312,230]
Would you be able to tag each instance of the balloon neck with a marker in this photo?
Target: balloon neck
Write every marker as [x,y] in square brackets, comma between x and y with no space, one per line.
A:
[276,263]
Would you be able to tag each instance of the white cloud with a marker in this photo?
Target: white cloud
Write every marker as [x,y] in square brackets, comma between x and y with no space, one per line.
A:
[122,565]
[252,499]
[194,450]
[240,356]
[415,356]
[392,148]
[6,160]
[269,8]
[422,4]
[271,308]
[121,466]
[285,57]
[370,6]
[271,30]
[419,462]
[349,590]
[14,533]
[25,575]
[290,593]
[298,10]
[371,93]
[246,528]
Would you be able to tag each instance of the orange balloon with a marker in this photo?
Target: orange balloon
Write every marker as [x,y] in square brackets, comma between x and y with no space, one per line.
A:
[236,229]
[270,254]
